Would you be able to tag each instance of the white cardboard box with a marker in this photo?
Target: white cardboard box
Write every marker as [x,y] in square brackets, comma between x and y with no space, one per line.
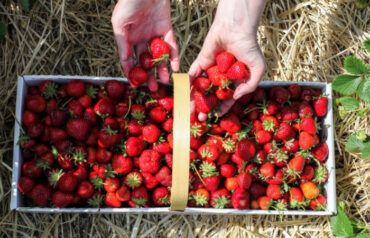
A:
[17,198]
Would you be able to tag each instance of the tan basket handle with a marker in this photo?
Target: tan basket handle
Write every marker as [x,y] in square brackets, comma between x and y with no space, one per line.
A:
[181,142]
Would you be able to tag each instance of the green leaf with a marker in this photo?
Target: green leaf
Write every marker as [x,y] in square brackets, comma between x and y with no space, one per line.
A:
[2,30]
[26,5]
[340,224]
[362,235]
[354,65]
[365,153]
[363,90]
[367,45]
[349,103]
[361,4]
[346,84]
[353,144]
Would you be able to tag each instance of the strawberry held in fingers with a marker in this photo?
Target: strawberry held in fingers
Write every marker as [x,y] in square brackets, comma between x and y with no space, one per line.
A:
[238,71]
[160,49]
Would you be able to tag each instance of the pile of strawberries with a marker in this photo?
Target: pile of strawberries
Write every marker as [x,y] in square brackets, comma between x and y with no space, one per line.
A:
[85,145]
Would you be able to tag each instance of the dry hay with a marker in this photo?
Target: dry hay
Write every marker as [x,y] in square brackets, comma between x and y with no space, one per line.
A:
[301,40]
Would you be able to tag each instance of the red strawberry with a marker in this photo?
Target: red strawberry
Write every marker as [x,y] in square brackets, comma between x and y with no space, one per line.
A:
[280,94]
[210,176]
[224,61]
[291,145]
[267,170]
[201,197]
[167,125]
[201,84]
[134,146]
[158,114]
[261,157]
[284,132]
[166,103]
[107,137]
[257,190]
[273,191]
[320,152]
[245,149]
[162,147]
[161,196]
[149,161]
[75,88]
[150,181]
[224,94]
[309,189]
[160,49]
[270,108]
[135,127]
[321,106]
[289,114]
[25,184]
[57,134]
[111,200]
[227,170]
[305,110]
[244,180]
[220,198]
[307,173]
[240,199]
[208,152]
[296,164]
[61,199]
[265,202]
[146,61]
[138,112]
[262,137]
[308,124]
[29,118]
[80,173]
[305,140]
[104,107]
[318,203]
[269,123]
[30,169]
[40,195]
[164,176]
[123,194]
[295,91]
[89,114]
[295,197]
[151,133]
[85,189]
[121,164]
[238,71]
[320,175]
[65,161]
[103,155]
[67,183]
[85,101]
[121,109]
[35,130]
[134,179]
[204,103]
[111,185]
[230,123]
[139,196]
[259,95]
[35,103]
[115,89]
[78,128]
[58,118]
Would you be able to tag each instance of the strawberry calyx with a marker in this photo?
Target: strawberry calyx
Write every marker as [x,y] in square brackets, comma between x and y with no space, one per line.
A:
[163,57]
[43,164]
[97,182]
[109,130]
[165,200]
[200,199]
[50,90]
[221,202]
[268,125]
[229,145]
[54,152]
[139,201]
[54,177]
[109,172]
[91,91]
[79,157]
[195,130]
[96,200]
[23,139]
[133,180]
[320,175]
[208,170]
[206,154]
[140,116]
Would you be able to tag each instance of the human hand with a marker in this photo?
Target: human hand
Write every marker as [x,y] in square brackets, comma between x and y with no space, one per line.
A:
[233,30]
[137,22]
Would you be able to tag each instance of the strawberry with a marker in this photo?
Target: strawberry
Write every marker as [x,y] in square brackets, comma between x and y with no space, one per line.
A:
[244,180]
[227,170]
[240,199]
[307,173]
[257,190]
[158,114]
[307,94]
[202,84]
[284,132]
[85,189]
[40,195]
[150,181]
[85,101]
[320,152]
[224,61]
[121,109]
[204,103]
[238,71]
[138,112]
[166,103]
[139,196]
[269,123]
[208,152]
[121,164]
[135,127]
[296,165]
[75,88]
[295,91]
[164,176]
[31,170]
[80,173]
[162,147]
[321,106]
[288,114]
[280,94]
[305,140]
[35,130]
[104,107]
[277,178]
[295,197]
[57,134]
[309,189]
[134,179]
[149,161]
[230,123]
[61,199]
[111,185]
[111,200]
[67,183]
[320,174]
[146,61]
[134,146]
[29,118]
[201,197]
[305,110]
[115,89]
[262,137]
[261,157]
[224,94]
[25,184]
[103,155]
[35,103]
[245,149]
[161,196]
[291,145]
[107,137]
[220,198]
[308,124]
[151,133]
[273,191]
[123,194]
[58,117]
[318,203]
[259,95]
[265,202]
[160,49]
[231,184]
[267,170]
[78,128]
[210,176]
[167,125]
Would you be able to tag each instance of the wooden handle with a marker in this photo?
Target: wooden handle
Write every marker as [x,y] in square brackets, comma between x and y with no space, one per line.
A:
[181,142]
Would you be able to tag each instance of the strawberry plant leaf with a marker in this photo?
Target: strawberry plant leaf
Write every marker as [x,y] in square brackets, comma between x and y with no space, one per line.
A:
[363,90]
[349,103]
[354,65]
[2,30]
[340,224]
[365,153]
[346,84]
[367,45]
[353,144]
[361,4]
[362,235]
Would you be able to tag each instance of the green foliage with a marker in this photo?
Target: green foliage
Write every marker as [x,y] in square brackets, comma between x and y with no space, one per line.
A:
[359,142]
[367,45]
[361,4]
[346,84]
[349,103]
[2,30]
[363,90]
[26,4]
[355,66]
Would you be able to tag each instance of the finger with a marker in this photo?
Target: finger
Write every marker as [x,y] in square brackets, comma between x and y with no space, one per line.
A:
[139,49]
[152,83]
[225,107]
[171,41]
[202,116]
[163,72]
[192,104]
